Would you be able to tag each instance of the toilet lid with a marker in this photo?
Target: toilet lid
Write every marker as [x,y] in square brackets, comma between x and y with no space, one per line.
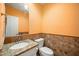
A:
[40,39]
[46,50]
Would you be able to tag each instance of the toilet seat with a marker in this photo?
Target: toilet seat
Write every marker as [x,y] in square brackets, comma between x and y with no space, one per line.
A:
[46,50]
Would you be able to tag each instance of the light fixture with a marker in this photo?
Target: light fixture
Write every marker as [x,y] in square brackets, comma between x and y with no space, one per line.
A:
[26,6]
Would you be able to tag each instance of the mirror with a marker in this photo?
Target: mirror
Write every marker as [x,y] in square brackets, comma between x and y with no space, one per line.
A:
[17,19]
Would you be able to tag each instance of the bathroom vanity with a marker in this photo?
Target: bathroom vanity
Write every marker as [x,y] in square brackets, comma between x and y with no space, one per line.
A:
[29,50]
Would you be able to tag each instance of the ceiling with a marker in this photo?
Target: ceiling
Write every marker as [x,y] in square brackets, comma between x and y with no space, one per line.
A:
[20,6]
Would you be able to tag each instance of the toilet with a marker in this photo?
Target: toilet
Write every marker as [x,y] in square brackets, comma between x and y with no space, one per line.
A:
[43,51]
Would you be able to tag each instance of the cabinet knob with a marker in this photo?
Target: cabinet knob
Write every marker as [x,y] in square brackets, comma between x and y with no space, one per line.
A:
[2,14]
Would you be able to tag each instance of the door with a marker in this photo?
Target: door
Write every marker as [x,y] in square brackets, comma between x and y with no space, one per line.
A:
[11,26]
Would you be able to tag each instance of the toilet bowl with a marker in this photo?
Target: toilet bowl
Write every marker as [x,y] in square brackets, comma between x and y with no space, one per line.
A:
[43,51]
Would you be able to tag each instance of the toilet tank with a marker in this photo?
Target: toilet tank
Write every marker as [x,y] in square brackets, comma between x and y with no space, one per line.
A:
[40,42]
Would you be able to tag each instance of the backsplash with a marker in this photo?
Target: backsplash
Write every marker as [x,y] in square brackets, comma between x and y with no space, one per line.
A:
[21,37]
[61,45]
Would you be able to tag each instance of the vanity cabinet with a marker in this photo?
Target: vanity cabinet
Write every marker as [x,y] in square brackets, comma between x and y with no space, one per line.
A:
[2,24]
[30,52]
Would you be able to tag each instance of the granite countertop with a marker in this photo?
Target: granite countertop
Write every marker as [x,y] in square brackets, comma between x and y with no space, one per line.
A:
[7,52]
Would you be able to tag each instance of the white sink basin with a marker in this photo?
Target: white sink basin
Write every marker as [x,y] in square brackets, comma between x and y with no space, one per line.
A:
[19,45]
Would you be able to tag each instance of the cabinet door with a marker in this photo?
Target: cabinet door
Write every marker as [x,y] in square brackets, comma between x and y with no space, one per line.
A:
[2,30]
[2,26]
[2,8]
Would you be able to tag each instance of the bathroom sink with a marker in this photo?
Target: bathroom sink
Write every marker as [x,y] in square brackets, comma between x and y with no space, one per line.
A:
[19,45]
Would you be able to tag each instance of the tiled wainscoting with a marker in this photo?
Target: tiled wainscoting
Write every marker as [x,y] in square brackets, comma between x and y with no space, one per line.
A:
[61,45]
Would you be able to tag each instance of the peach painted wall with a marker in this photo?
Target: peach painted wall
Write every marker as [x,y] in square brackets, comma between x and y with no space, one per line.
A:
[51,18]
[35,20]
[61,19]
[23,18]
